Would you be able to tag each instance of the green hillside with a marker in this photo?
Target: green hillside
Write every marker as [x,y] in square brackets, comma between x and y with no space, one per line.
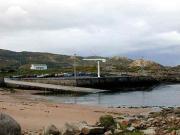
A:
[20,61]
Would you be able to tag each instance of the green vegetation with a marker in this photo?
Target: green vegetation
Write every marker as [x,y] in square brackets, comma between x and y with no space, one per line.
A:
[107,121]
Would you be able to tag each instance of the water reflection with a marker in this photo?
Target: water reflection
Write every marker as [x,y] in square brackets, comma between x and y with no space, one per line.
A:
[163,95]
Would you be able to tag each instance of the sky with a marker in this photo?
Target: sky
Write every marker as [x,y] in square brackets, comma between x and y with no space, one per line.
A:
[132,28]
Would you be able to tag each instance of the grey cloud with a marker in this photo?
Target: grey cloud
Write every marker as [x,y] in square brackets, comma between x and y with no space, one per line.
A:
[91,27]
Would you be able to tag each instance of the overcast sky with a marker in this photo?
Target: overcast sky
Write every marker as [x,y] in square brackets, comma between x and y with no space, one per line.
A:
[133,28]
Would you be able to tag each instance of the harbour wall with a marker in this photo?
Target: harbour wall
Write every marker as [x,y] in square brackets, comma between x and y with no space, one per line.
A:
[103,82]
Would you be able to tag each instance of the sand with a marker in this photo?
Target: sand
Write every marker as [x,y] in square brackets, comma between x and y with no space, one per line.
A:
[34,113]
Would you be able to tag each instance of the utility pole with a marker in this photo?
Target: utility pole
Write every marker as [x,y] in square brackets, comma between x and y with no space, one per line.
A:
[74,65]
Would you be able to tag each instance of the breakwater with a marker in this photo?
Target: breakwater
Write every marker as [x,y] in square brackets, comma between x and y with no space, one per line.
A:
[49,87]
[94,82]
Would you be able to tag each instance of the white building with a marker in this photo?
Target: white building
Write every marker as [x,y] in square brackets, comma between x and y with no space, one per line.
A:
[38,67]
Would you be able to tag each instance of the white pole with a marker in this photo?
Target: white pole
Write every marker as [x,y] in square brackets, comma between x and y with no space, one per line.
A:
[98,62]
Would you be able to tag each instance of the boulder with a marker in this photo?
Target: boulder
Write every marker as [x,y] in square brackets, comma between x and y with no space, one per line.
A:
[118,132]
[177,111]
[73,128]
[51,130]
[137,124]
[131,128]
[177,132]
[8,126]
[108,133]
[126,121]
[81,128]
[149,131]
[173,132]
[92,130]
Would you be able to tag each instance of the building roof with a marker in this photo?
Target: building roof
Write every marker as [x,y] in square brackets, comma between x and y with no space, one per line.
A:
[38,65]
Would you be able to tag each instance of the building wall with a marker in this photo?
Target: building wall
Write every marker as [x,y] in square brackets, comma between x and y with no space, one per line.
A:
[34,67]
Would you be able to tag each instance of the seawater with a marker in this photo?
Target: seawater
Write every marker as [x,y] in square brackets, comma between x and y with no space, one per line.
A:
[162,95]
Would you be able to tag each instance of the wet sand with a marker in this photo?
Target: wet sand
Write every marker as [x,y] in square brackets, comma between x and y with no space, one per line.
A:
[34,113]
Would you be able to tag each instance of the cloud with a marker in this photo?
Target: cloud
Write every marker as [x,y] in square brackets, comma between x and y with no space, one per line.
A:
[15,12]
[91,27]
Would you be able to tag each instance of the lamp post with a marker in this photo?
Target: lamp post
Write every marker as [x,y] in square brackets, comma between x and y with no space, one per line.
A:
[98,65]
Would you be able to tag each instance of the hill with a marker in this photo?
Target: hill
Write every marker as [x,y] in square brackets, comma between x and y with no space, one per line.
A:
[10,59]
[176,68]
[145,64]
[22,60]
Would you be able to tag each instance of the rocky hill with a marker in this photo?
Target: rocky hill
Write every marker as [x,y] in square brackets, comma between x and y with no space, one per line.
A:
[176,68]
[145,64]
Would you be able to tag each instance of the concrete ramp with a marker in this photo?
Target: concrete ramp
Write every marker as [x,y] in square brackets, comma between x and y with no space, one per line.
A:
[17,83]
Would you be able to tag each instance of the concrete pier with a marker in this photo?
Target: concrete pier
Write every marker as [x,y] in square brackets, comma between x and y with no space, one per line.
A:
[49,87]
[100,83]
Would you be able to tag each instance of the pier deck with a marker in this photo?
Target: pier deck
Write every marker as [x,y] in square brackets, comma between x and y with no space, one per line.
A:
[51,86]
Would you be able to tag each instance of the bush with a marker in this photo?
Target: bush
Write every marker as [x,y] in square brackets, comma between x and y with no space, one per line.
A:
[107,121]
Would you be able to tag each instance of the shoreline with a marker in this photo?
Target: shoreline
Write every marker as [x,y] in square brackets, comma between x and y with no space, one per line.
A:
[34,113]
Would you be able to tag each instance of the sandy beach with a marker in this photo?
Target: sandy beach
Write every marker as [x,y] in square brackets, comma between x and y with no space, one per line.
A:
[34,113]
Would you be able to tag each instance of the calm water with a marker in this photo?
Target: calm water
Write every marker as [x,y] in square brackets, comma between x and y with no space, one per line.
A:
[164,95]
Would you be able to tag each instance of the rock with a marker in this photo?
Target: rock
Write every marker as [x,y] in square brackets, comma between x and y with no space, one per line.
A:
[118,132]
[141,116]
[126,121]
[150,119]
[71,129]
[8,126]
[169,110]
[173,132]
[137,124]
[108,133]
[131,128]
[149,131]
[51,130]
[177,132]
[118,126]
[81,128]
[86,130]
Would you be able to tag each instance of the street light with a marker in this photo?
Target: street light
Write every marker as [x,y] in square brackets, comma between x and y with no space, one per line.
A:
[98,64]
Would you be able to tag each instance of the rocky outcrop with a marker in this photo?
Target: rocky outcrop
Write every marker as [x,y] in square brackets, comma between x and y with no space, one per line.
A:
[8,126]
[145,63]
